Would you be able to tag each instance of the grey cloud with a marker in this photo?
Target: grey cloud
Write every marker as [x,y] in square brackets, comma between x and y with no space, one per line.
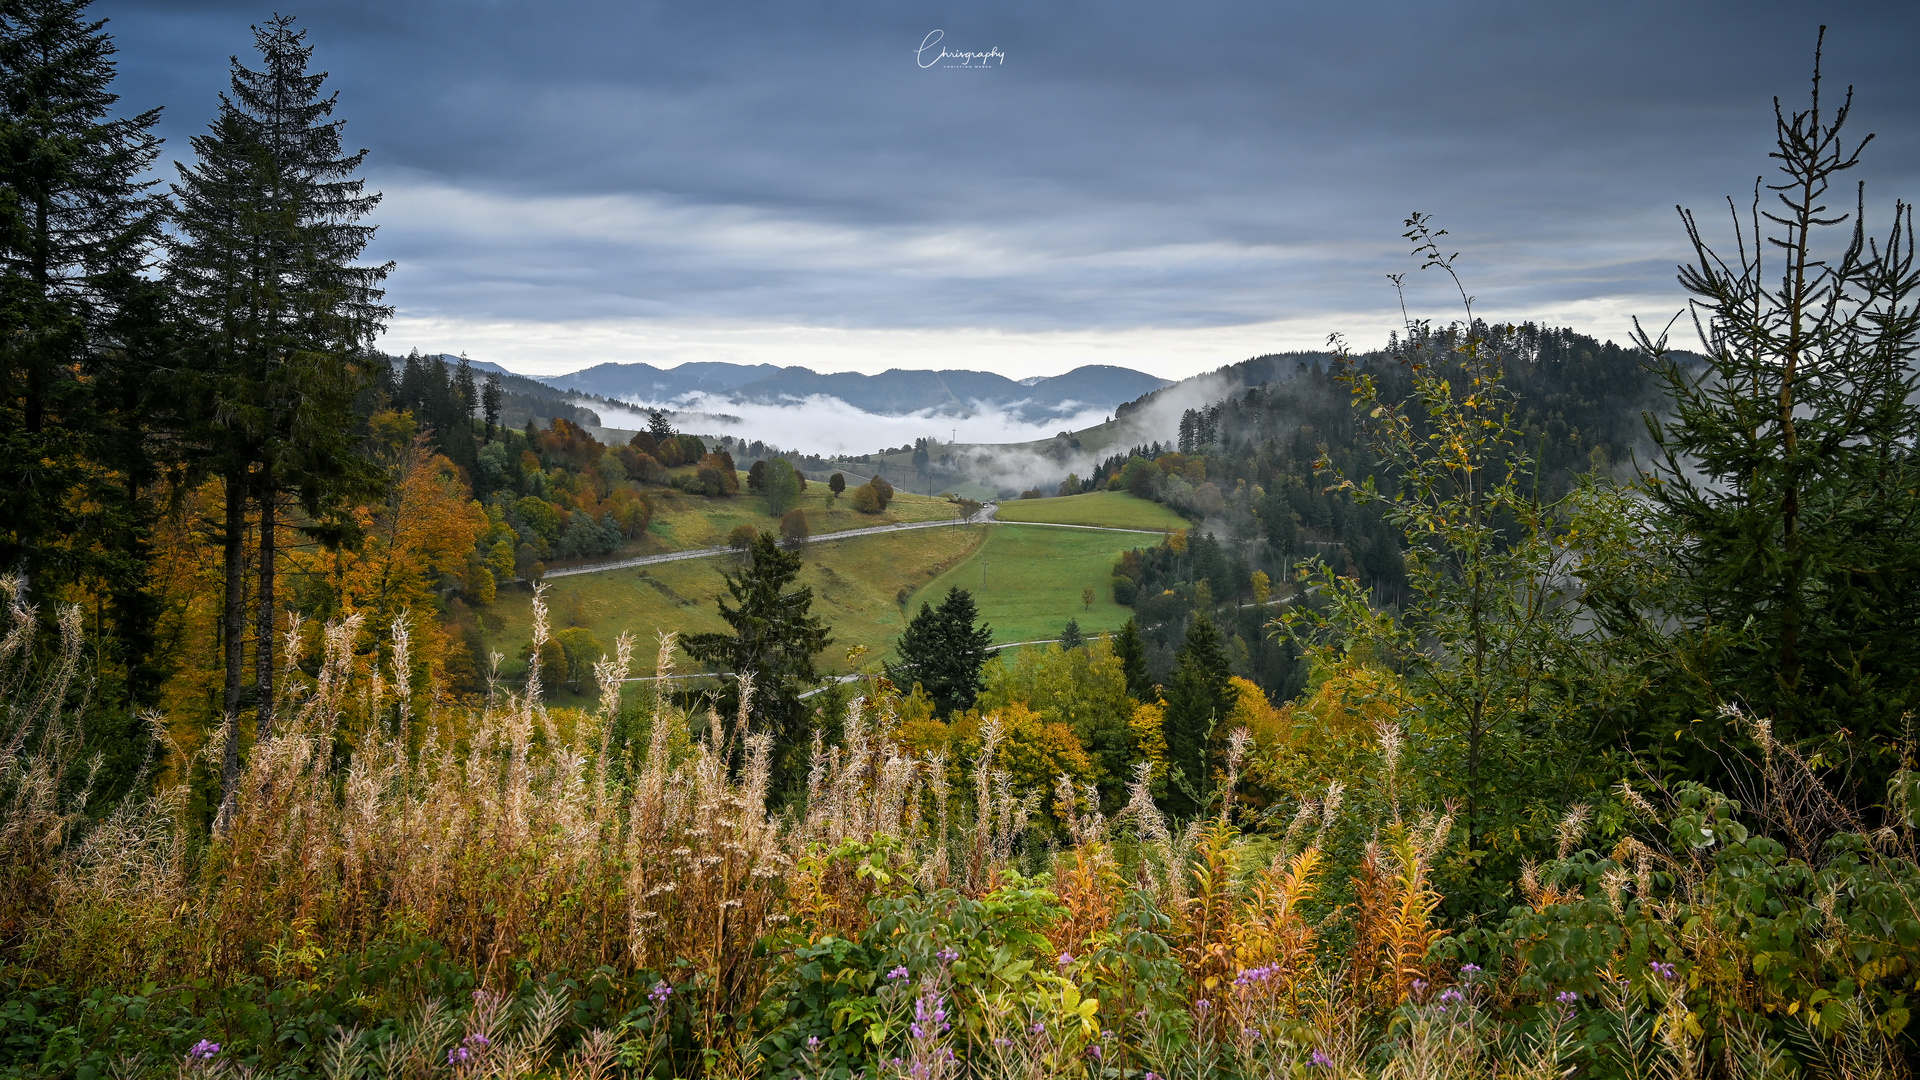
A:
[1131,164]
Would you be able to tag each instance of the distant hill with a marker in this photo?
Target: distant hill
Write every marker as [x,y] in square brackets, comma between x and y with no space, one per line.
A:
[896,392]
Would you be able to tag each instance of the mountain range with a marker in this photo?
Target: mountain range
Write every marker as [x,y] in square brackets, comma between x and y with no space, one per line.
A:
[896,392]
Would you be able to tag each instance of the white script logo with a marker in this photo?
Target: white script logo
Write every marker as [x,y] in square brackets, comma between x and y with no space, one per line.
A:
[926,57]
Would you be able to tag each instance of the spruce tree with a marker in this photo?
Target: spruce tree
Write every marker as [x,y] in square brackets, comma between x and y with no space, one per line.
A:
[1132,651]
[1788,471]
[490,403]
[944,652]
[1198,698]
[774,639]
[264,264]
[83,401]
[77,224]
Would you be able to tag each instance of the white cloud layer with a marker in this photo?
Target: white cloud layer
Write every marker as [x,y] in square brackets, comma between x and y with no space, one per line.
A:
[556,348]
[827,425]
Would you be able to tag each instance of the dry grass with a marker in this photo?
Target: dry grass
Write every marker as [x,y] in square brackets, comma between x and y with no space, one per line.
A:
[502,834]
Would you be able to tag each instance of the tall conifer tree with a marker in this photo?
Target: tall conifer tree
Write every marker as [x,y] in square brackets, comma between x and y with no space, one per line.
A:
[1198,698]
[1788,468]
[265,266]
[775,636]
[944,652]
[77,225]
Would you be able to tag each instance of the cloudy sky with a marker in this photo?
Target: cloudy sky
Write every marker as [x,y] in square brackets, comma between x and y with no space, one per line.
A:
[1168,186]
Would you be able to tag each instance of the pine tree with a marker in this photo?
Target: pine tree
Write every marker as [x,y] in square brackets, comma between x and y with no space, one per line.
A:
[264,265]
[1198,698]
[1070,637]
[774,639]
[944,652]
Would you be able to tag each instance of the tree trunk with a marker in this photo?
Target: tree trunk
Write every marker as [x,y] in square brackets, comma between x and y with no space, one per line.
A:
[263,641]
[233,626]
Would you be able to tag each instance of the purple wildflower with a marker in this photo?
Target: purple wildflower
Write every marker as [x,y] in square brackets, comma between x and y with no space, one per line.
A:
[203,1051]
[476,1041]
[1066,958]
[1468,971]
[898,973]
[1665,971]
[1451,995]
[458,1056]
[659,994]
[813,1042]
[948,955]
[1321,1061]
[1567,998]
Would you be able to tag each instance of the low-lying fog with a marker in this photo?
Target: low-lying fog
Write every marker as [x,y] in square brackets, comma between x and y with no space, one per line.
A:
[829,426]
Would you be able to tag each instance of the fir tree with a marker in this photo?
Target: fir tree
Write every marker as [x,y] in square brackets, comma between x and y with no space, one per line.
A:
[944,652]
[282,321]
[1070,638]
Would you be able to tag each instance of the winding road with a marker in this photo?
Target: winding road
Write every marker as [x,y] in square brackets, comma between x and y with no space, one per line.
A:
[985,516]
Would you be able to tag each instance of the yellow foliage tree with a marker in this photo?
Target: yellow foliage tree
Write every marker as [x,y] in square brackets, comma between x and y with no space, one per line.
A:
[1148,737]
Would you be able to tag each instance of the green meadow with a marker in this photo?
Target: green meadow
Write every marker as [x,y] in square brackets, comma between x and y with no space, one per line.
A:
[1028,580]
[1113,509]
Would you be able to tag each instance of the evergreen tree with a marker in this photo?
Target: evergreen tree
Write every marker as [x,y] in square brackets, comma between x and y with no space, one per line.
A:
[490,403]
[944,652]
[1789,473]
[1070,637]
[1132,651]
[774,639]
[659,426]
[282,322]
[83,393]
[1198,698]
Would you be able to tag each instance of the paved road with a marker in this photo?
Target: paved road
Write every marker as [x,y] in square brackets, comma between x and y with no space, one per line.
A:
[985,516]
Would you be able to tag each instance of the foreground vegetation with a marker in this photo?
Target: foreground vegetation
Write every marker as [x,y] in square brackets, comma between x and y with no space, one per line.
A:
[512,891]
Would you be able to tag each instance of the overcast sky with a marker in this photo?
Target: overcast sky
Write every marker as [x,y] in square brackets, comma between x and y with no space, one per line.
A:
[1168,186]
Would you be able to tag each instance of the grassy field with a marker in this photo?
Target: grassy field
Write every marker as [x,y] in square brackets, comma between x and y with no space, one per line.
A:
[1027,582]
[682,522]
[857,585]
[1115,509]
